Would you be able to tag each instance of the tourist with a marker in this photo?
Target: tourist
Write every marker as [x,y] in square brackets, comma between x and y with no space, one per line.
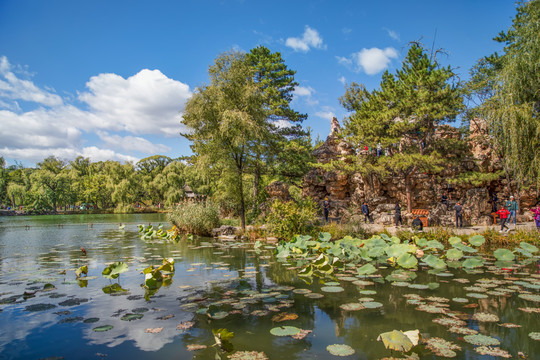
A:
[494,200]
[444,200]
[326,208]
[398,215]
[417,224]
[365,211]
[537,216]
[459,215]
[512,207]
[503,215]
[379,149]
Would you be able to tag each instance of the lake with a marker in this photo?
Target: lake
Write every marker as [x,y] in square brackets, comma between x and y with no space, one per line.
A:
[46,312]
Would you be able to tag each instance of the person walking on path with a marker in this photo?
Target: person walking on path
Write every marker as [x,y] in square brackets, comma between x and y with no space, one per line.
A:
[417,224]
[503,215]
[537,216]
[459,215]
[365,211]
[326,208]
[398,215]
[512,207]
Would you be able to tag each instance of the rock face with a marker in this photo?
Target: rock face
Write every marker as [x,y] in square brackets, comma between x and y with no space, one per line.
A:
[278,190]
[347,192]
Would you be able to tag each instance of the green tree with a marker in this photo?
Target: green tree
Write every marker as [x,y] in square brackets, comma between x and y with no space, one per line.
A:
[508,87]
[54,186]
[226,120]
[403,116]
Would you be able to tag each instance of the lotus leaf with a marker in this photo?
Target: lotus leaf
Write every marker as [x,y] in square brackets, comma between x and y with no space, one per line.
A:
[372,304]
[397,250]
[396,340]
[477,240]
[446,321]
[535,336]
[524,252]
[367,292]
[103,328]
[114,270]
[434,262]
[82,270]
[462,330]
[301,291]
[485,317]
[352,307]
[441,347]
[130,317]
[530,297]
[39,307]
[480,339]
[248,355]
[285,331]
[504,255]
[307,271]
[284,317]
[477,295]
[364,299]
[325,236]
[400,283]
[431,309]
[314,296]
[434,244]
[407,261]
[473,263]
[454,240]
[332,289]
[465,248]
[363,283]
[528,247]
[366,269]
[419,286]
[112,289]
[421,242]
[340,350]
[454,254]
[460,300]
[491,351]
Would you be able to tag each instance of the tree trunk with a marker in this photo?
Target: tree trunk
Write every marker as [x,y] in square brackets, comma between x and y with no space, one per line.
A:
[408,192]
[256,183]
[242,201]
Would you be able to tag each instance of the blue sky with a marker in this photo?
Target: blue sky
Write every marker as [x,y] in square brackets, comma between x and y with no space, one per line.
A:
[110,79]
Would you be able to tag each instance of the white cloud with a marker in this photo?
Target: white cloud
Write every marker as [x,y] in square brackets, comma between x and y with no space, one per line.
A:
[342,80]
[132,143]
[303,91]
[12,88]
[310,39]
[394,35]
[327,115]
[145,103]
[371,61]
[282,124]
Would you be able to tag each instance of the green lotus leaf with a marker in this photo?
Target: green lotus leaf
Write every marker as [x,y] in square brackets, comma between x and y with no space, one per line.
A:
[433,286]
[82,270]
[480,339]
[530,297]
[131,317]
[504,255]
[372,304]
[340,350]
[352,306]
[535,336]
[421,242]
[366,269]
[285,331]
[114,270]
[307,271]
[434,262]
[454,240]
[528,247]
[324,236]
[103,328]
[454,254]
[113,289]
[477,240]
[332,289]
[524,252]
[397,250]
[434,244]
[407,261]
[465,248]
[396,340]
[473,263]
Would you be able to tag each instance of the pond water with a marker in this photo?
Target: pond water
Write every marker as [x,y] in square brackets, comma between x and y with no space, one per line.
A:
[230,285]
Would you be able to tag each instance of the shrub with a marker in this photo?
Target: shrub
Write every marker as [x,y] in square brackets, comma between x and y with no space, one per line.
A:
[286,219]
[197,218]
[124,209]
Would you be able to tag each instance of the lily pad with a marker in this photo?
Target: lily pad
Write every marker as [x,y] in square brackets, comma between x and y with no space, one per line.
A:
[285,331]
[504,255]
[372,304]
[454,254]
[366,269]
[491,351]
[528,247]
[396,340]
[480,339]
[441,347]
[340,350]
[248,355]
[131,317]
[39,307]
[477,240]
[535,336]
[485,317]
[352,306]
[332,289]
[530,297]
[103,328]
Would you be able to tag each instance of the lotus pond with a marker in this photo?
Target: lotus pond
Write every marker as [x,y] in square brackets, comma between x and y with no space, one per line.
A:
[141,292]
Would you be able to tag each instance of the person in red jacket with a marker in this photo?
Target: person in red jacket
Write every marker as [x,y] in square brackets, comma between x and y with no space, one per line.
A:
[503,215]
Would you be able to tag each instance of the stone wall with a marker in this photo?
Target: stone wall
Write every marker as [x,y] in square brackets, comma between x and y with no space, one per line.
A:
[347,192]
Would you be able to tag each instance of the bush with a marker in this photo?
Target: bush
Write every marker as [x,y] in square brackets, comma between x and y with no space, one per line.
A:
[197,218]
[124,209]
[286,219]
[352,227]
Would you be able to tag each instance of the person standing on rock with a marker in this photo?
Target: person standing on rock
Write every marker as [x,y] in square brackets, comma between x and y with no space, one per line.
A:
[365,211]
[536,213]
[512,207]
[398,215]
[326,208]
[494,200]
[444,200]
[459,215]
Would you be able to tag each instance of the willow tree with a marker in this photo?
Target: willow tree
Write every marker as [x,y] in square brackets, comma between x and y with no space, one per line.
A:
[403,116]
[509,85]
[226,120]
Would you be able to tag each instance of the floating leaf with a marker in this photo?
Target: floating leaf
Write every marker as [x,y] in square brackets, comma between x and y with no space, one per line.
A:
[302,334]
[39,307]
[82,270]
[480,339]
[285,331]
[477,240]
[114,270]
[352,306]
[103,328]
[535,336]
[528,247]
[195,347]
[491,351]
[372,304]
[248,355]
[504,255]
[340,350]
[332,289]
[153,330]
[396,340]
[131,317]
[407,261]
[530,297]
[485,317]
[472,263]
[454,240]
[112,289]
[441,347]
[434,262]
[454,254]
[366,269]
[284,317]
